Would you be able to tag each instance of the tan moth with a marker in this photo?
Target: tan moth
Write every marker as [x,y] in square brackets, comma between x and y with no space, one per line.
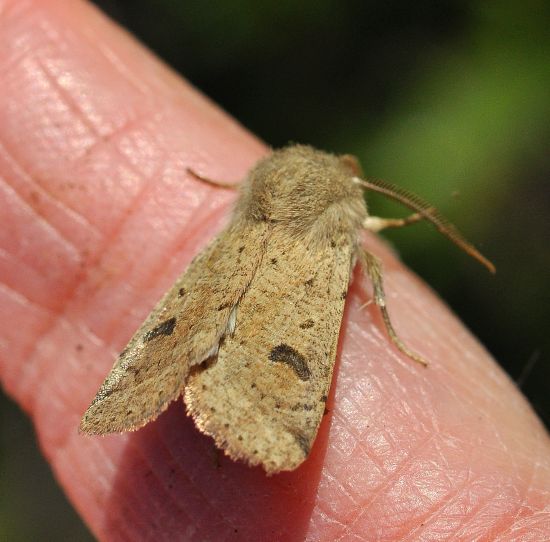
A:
[248,334]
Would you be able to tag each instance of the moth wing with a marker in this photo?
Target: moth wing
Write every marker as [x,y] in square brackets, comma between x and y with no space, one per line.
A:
[264,396]
[183,329]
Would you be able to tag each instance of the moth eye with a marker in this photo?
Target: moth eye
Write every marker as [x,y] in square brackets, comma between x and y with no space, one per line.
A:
[352,163]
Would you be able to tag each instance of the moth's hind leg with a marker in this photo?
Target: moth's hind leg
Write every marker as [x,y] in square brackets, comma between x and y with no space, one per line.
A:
[372,266]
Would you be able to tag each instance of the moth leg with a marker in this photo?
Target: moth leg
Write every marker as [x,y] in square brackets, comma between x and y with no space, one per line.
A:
[212,182]
[376,223]
[412,201]
[372,266]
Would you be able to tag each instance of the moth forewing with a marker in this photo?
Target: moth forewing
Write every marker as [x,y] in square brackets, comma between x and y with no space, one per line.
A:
[263,398]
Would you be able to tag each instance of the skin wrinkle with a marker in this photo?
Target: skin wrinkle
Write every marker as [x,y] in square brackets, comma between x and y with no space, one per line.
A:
[70,213]
[474,514]
[455,342]
[136,124]
[117,64]
[11,10]
[390,403]
[209,505]
[32,297]
[166,516]
[329,507]
[67,99]
[458,497]
[390,480]
[23,299]
[100,128]
[359,442]
[470,385]
[15,60]
[136,128]
[377,336]
[437,508]
[147,529]
[527,523]
[96,340]
[41,221]
[512,519]
[221,497]
[457,384]
[324,509]
[328,517]
[100,138]
[528,483]
[350,425]
[367,451]
[206,519]
[134,505]
[344,490]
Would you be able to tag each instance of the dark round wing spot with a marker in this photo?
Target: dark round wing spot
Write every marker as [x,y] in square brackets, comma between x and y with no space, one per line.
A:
[307,324]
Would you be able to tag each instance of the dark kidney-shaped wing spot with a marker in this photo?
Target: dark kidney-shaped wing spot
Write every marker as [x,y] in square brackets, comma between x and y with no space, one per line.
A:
[164,328]
[286,354]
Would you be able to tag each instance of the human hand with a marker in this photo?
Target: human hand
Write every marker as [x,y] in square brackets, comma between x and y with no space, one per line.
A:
[99,217]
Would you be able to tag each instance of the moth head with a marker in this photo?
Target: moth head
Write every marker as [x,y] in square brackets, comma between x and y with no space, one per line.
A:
[297,184]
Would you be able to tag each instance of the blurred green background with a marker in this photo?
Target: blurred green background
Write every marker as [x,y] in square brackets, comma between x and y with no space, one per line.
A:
[448,99]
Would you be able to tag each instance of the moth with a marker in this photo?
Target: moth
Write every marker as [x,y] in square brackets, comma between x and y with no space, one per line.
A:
[248,334]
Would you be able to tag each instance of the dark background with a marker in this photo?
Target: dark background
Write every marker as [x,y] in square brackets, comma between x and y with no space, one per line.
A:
[448,99]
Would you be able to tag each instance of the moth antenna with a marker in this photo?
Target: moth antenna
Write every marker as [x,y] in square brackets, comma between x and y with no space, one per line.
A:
[427,211]
[212,182]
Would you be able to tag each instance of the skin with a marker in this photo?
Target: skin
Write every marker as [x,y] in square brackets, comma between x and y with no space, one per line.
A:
[99,217]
